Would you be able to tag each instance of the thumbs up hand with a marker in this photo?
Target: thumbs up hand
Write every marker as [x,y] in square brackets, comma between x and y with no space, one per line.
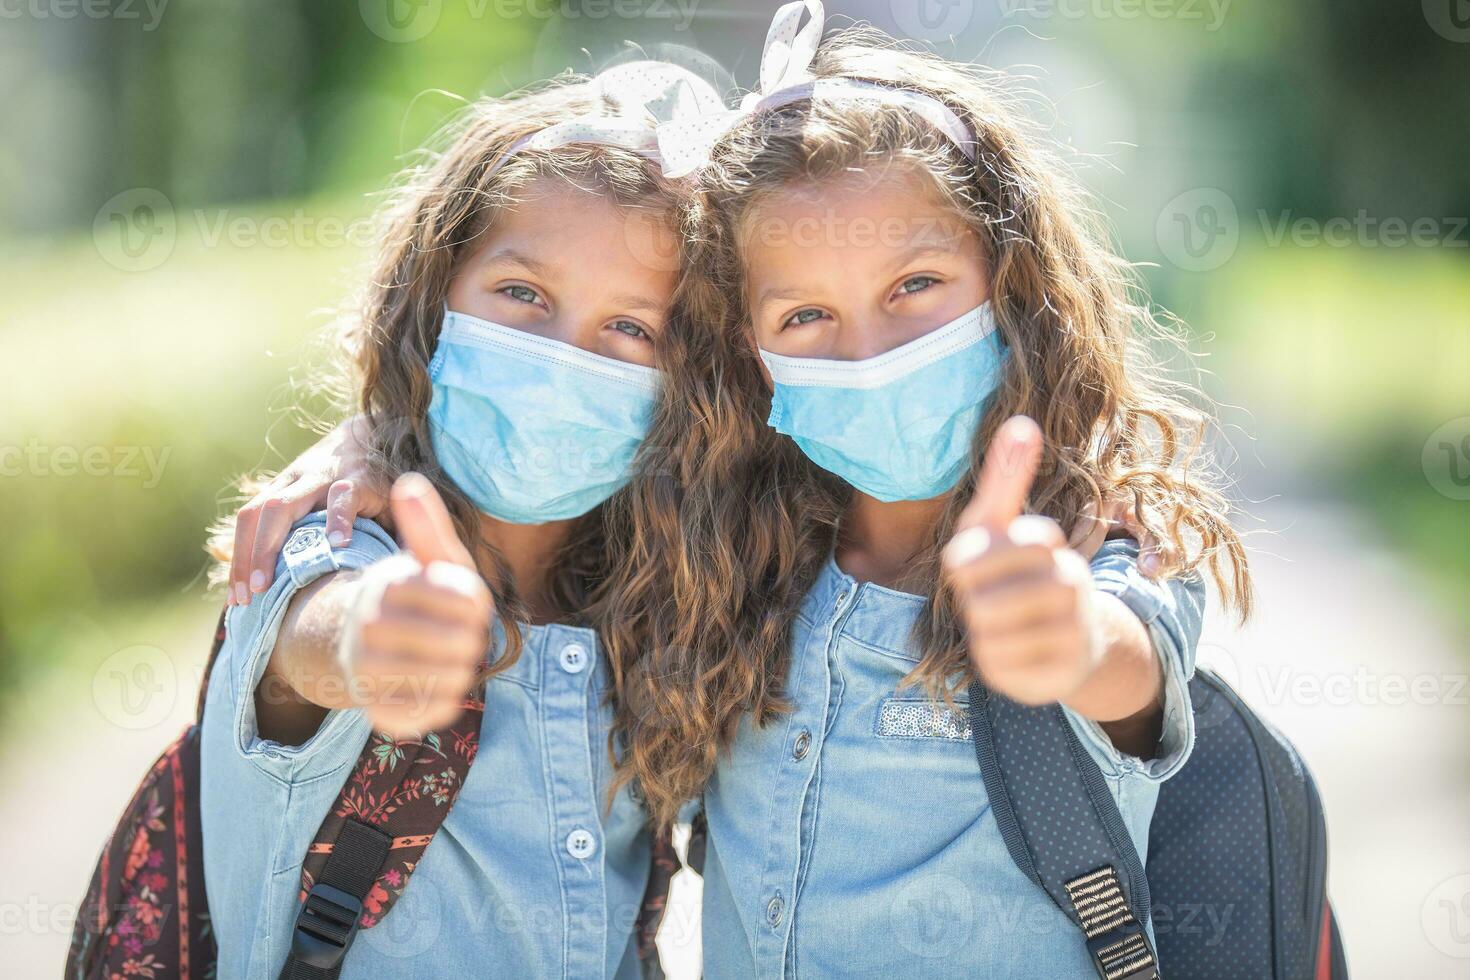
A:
[420,624]
[1023,595]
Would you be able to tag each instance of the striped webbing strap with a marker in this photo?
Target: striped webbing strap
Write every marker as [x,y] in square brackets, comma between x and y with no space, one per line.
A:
[1119,947]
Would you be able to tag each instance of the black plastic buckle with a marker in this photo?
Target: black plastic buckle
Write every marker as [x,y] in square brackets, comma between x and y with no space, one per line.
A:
[325,926]
[1113,951]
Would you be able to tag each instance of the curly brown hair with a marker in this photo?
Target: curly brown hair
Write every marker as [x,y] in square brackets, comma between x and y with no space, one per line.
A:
[757,520]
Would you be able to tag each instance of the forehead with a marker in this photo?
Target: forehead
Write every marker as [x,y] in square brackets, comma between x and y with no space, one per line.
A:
[556,211]
[561,225]
[853,187]
[853,216]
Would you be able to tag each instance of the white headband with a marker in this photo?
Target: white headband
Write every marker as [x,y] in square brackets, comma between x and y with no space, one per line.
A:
[684,143]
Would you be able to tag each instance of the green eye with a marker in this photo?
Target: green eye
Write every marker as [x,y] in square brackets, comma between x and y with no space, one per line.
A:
[916,284]
[803,317]
[524,294]
[630,328]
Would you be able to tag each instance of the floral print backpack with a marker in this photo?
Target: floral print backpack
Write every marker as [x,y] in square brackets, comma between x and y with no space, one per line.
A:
[146,917]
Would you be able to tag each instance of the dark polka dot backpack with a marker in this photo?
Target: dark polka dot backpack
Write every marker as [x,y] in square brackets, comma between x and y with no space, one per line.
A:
[1236,879]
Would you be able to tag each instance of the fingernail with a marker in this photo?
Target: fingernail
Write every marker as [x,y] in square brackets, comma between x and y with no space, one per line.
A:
[966,546]
[337,539]
[412,484]
[257,581]
[1032,529]
[242,595]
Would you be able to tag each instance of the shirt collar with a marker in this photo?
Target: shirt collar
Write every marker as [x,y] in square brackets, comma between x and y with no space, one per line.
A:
[872,614]
[541,641]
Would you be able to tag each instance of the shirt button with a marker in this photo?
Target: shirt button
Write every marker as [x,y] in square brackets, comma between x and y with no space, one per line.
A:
[573,658]
[841,598]
[803,745]
[775,908]
[581,844]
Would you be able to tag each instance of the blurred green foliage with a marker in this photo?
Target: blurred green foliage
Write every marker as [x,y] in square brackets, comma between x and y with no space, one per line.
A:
[225,102]
[176,381]
[1358,359]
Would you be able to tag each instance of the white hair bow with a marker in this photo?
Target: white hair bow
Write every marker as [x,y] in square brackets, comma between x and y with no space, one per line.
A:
[644,95]
[685,143]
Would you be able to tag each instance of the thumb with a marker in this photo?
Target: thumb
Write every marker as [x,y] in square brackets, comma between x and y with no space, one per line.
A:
[424,527]
[1006,475]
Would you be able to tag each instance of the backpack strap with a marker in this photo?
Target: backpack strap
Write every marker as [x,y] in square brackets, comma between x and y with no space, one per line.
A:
[393,803]
[331,914]
[665,864]
[1063,828]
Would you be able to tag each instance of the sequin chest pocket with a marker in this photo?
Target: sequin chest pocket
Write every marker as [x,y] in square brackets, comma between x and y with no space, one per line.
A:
[923,718]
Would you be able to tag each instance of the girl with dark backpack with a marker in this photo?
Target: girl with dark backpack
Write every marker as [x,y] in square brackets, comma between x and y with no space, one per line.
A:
[930,737]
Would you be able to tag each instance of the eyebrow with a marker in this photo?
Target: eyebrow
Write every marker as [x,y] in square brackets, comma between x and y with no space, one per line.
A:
[772,293]
[508,254]
[899,261]
[631,301]
[634,301]
[920,251]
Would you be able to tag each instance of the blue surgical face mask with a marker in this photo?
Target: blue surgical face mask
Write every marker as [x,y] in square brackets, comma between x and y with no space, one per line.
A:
[531,429]
[897,426]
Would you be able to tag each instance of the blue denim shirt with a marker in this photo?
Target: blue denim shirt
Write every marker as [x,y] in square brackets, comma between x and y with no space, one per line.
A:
[502,891]
[852,837]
